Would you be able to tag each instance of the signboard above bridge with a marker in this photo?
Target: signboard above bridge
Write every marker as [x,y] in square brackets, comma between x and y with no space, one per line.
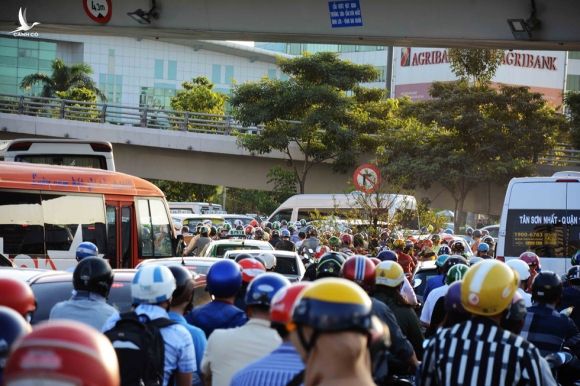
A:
[418,23]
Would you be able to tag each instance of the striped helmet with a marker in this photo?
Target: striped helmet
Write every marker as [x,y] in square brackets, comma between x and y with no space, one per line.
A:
[152,284]
[359,269]
[86,249]
[456,273]
[389,273]
[488,287]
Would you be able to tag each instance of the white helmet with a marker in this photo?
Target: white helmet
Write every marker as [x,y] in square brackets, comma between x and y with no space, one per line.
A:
[152,284]
[268,259]
[520,267]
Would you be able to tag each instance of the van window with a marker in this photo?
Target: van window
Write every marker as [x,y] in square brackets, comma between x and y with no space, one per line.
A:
[21,225]
[538,230]
[285,214]
[154,228]
[87,161]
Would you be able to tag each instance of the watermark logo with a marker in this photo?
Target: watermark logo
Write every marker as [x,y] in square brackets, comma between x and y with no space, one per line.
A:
[24,26]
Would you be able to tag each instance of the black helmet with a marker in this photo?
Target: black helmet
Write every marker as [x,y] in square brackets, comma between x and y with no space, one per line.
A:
[488,240]
[476,233]
[454,260]
[547,287]
[93,274]
[183,286]
[329,265]
[457,247]
[574,275]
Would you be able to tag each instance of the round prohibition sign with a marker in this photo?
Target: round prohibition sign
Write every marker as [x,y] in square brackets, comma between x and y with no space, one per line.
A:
[98,10]
[367,178]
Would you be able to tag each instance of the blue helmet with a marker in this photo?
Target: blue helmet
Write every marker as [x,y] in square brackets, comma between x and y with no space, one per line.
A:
[12,327]
[449,231]
[284,233]
[444,250]
[263,287]
[224,279]
[483,247]
[387,255]
[86,249]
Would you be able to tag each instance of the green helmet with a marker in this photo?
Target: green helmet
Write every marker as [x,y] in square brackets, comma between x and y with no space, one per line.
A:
[227,226]
[333,241]
[456,273]
[276,225]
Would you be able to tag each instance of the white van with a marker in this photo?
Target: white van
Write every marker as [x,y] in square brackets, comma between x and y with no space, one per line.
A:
[542,215]
[303,206]
[65,152]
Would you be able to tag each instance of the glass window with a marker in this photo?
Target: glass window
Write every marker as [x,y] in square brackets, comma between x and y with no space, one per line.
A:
[272,73]
[216,73]
[28,43]
[8,42]
[67,215]
[574,55]
[537,230]
[229,74]
[154,228]
[126,224]
[172,70]
[111,233]
[573,83]
[284,214]
[21,230]
[158,69]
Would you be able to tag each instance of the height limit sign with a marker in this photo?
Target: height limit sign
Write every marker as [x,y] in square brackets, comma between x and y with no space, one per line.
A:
[367,178]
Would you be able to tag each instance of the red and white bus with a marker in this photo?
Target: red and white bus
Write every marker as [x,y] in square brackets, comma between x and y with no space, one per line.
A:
[46,211]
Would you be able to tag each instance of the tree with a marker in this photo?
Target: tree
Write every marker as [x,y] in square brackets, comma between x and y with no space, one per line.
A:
[198,96]
[466,135]
[185,191]
[86,111]
[310,114]
[63,78]
[572,101]
[475,65]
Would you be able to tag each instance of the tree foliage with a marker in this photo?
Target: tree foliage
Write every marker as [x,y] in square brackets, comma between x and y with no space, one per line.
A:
[310,114]
[80,111]
[572,101]
[63,79]
[199,96]
[476,65]
[467,135]
[186,192]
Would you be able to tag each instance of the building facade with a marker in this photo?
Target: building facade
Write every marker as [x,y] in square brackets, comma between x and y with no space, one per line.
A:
[135,72]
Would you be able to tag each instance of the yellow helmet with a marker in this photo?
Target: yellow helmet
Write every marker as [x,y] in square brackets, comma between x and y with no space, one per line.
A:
[333,304]
[488,288]
[399,244]
[389,273]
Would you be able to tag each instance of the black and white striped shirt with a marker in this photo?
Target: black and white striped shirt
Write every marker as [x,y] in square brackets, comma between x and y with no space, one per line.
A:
[478,352]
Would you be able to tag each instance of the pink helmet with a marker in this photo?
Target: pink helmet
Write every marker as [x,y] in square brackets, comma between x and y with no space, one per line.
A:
[530,258]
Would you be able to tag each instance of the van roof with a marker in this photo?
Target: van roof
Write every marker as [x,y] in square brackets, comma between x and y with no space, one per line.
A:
[18,175]
[337,199]
[8,144]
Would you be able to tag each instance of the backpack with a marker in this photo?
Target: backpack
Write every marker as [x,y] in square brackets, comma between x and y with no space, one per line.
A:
[140,349]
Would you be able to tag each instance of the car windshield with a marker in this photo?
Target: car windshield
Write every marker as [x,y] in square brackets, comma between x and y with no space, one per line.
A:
[47,295]
[286,265]
[222,249]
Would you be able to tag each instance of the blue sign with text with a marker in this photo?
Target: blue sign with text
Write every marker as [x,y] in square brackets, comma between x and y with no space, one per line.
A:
[345,13]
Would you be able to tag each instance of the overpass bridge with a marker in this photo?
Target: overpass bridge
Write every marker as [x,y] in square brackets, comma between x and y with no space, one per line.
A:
[202,148]
[552,24]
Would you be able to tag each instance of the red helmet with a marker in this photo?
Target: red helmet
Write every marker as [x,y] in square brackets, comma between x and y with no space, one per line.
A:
[17,295]
[346,239]
[283,301]
[251,268]
[66,352]
[427,244]
[375,260]
[254,223]
[359,269]
[530,258]
[249,230]
[321,251]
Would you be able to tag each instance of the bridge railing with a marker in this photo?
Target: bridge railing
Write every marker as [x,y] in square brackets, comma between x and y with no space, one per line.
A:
[142,116]
[561,155]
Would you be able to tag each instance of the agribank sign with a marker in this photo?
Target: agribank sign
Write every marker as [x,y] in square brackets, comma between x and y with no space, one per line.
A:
[517,59]
[415,69]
